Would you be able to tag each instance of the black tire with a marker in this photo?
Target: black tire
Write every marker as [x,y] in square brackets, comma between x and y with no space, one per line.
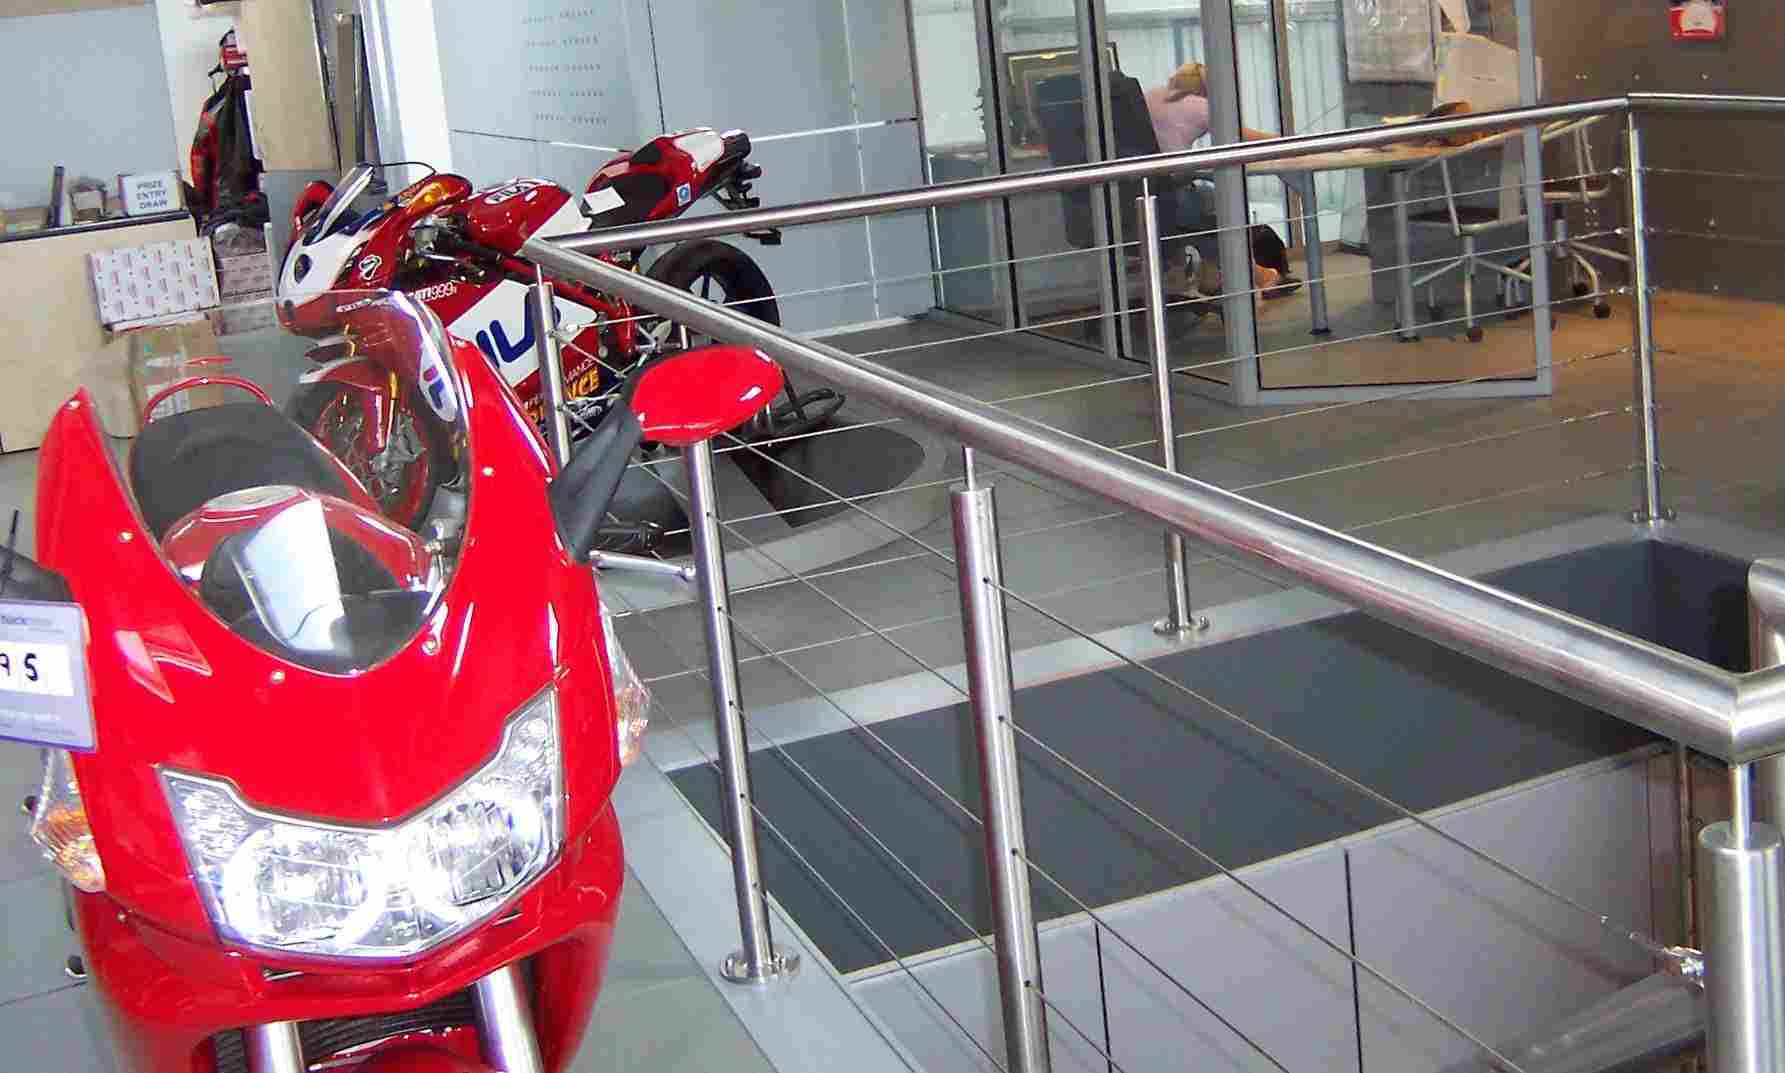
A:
[721,272]
[310,401]
[708,266]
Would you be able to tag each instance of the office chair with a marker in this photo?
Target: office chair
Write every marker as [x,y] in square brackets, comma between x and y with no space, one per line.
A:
[1585,188]
[1470,223]
[1060,104]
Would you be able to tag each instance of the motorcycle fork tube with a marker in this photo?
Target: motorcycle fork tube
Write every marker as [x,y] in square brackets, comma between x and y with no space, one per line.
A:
[274,1048]
[505,1023]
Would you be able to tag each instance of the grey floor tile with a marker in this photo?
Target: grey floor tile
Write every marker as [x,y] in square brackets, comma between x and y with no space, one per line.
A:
[646,954]
[21,773]
[681,1026]
[34,937]
[61,1031]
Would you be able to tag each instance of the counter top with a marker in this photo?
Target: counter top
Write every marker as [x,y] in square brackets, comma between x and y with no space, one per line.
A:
[97,225]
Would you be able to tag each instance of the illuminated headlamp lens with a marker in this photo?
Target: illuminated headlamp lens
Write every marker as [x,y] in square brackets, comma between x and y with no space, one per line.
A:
[294,885]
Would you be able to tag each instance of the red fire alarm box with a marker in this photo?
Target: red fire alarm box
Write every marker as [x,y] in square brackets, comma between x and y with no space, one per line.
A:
[1697,20]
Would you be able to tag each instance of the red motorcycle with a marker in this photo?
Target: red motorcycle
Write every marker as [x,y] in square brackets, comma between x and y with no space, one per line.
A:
[456,251]
[331,789]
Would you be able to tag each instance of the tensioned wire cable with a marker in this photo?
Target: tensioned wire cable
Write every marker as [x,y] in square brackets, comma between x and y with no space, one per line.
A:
[1490,315]
[860,921]
[1577,419]
[936,788]
[1411,393]
[1603,920]
[936,273]
[1275,740]
[1520,371]
[966,926]
[1634,935]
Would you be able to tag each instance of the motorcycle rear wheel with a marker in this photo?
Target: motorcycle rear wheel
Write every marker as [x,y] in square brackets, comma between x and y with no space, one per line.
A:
[720,272]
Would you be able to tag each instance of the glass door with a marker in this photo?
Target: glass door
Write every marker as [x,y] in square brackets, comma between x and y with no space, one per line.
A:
[958,112]
[1062,245]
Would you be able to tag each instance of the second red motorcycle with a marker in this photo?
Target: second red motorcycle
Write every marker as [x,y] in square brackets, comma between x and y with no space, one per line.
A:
[455,250]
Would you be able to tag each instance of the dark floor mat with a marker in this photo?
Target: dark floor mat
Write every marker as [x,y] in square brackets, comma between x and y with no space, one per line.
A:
[1422,725]
[857,462]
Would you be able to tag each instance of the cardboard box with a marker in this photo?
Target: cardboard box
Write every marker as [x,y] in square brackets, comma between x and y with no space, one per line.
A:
[250,317]
[244,278]
[19,221]
[156,280]
[89,205]
[164,355]
[244,266]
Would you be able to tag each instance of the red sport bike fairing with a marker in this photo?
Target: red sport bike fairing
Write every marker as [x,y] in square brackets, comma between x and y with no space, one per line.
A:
[346,804]
[456,251]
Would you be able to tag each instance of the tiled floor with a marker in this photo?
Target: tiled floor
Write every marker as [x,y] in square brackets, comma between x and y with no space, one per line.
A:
[1418,475]
[658,1009]
[1424,476]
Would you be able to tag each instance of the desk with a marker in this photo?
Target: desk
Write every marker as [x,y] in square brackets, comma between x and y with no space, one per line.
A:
[55,341]
[1299,172]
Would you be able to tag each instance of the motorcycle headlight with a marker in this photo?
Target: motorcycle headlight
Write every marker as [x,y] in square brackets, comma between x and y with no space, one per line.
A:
[298,886]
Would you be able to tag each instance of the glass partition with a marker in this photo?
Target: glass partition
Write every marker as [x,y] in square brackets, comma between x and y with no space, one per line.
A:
[1361,277]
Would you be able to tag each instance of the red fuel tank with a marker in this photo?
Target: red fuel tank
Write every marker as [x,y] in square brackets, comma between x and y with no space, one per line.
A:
[508,215]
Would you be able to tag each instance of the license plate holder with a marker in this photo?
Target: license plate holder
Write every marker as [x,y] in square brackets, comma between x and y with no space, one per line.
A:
[44,693]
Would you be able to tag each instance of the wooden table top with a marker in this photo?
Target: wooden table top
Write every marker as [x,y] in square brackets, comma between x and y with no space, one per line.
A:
[1341,159]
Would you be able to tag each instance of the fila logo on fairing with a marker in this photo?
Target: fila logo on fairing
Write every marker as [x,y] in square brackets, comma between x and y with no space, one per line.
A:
[494,342]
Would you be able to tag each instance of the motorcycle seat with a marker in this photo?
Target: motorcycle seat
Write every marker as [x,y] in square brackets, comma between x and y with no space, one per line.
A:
[182,461]
[665,175]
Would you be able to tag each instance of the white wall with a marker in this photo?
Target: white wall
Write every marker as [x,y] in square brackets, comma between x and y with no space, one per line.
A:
[948,72]
[824,87]
[85,89]
[403,50]
[189,36]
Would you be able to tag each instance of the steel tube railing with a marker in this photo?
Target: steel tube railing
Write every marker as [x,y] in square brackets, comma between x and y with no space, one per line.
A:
[987,638]
[757,960]
[542,309]
[1732,716]
[1649,507]
[1180,614]
[1078,176]
[1739,718]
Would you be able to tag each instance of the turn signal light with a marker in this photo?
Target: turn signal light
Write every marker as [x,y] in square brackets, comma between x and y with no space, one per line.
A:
[59,825]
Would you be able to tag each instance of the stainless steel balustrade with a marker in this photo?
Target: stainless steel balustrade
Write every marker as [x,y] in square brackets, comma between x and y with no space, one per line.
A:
[1077,176]
[1736,717]
[1739,718]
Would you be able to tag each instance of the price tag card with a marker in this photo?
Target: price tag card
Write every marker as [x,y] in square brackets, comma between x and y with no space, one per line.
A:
[43,675]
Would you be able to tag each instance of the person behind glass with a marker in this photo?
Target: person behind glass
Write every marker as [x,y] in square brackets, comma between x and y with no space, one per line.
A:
[1180,114]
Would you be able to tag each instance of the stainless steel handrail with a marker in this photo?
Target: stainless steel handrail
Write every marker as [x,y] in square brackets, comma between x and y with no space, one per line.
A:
[1085,175]
[1738,717]
[1078,176]
[1735,717]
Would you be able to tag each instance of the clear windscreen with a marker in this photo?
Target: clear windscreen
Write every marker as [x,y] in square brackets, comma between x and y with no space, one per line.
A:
[333,213]
[304,468]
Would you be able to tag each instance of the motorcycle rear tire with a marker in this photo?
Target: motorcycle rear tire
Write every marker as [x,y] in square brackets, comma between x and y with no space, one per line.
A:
[694,266]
